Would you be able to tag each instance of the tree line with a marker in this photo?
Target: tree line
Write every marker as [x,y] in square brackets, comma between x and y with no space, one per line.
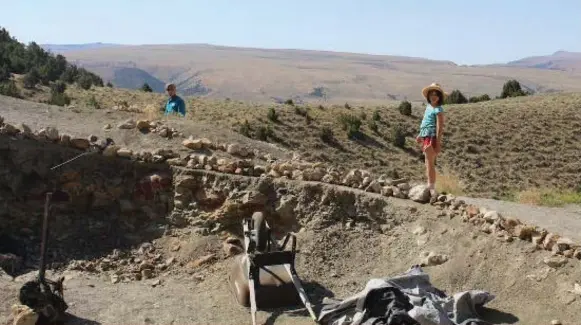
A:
[511,88]
[38,66]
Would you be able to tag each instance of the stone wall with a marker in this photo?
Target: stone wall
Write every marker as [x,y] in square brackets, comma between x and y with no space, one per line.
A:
[98,201]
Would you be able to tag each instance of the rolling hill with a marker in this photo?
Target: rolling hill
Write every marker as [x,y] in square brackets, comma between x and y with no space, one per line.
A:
[264,74]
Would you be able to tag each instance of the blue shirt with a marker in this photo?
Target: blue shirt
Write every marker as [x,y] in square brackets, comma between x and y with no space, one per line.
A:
[428,126]
[175,105]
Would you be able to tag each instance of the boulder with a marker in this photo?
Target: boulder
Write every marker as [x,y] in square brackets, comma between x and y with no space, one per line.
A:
[111,151]
[420,193]
[127,124]
[143,124]
[125,152]
[194,144]
[50,133]
[8,129]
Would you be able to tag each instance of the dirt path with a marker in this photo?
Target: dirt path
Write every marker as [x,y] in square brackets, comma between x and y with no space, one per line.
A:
[565,221]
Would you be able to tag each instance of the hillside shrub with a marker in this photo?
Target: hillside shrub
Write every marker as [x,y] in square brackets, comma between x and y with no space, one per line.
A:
[326,134]
[109,84]
[456,97]
[92,102]
[245,129]
[264,132]
[146,88]
[405,108]
[85,82]
[272,114]
[301,111]
[4,73]
[373,126]
[376,116]
[59,99]
[58,87]
[8,88]
[289,102]
[477,99]
[398,136]
[512,88]
[347,106]
[31,79]
[351,124]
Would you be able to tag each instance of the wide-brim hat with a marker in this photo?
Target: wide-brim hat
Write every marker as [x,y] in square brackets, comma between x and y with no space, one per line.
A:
[433,86]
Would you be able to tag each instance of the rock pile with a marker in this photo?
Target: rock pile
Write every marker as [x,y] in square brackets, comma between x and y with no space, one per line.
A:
[139,264]
[146,126]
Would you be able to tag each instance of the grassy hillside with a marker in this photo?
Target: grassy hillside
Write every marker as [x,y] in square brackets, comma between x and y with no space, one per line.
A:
[520,148]
[261,75]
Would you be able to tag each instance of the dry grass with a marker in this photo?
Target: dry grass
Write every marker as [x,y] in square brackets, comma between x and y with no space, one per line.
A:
[548,197]
[447,182]
[492,149]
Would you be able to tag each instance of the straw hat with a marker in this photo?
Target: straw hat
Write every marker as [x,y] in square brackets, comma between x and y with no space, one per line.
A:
[433,86]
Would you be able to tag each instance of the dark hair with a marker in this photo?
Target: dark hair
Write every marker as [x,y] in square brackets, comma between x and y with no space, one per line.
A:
[440,97]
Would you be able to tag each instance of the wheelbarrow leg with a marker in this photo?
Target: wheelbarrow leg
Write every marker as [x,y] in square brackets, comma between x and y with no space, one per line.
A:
[302,294]
[252,292]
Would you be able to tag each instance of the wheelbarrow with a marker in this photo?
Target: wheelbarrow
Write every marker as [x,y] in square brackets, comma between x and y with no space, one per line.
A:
[264,276]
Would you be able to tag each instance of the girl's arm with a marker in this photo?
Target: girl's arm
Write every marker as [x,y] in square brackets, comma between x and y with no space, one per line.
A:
[439,128]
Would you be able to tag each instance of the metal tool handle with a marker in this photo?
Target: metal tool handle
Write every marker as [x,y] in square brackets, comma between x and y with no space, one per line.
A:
[43,243]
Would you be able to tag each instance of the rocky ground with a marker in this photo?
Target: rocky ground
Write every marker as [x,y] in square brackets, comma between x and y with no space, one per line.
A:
[181,277]
[354,227]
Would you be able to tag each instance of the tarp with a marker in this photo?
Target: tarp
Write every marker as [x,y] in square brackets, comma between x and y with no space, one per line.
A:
[426,304]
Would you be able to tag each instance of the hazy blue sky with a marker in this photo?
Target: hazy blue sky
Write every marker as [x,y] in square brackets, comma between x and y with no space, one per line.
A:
[464,31]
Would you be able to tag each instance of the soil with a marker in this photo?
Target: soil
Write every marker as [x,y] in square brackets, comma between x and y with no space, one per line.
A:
[337,261]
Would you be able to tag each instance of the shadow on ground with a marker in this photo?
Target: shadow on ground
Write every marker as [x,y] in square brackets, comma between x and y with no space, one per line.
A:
[316,293]
[497,317]
[75,320]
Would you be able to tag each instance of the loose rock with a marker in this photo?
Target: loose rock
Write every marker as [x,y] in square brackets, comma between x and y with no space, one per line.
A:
[555,261]
[419,193]
[128,124]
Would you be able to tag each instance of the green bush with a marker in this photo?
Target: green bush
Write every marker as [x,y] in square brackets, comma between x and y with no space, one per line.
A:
[245,129]
[109,84]
[398,136]
[146,88]
[31,79]
[347,106]
[326,134]
[405,108]
[59,99]
[289,102]
[85,82]
[264,132]
[512,88]
[350,123]
[272,114]
[8,88]
[92,102]
[301,111]
[373,126]
[4,73]
[58,87]
[477,99]
[376,116]
[456,97]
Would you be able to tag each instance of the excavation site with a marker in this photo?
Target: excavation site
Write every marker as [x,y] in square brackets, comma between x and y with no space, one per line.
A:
[198,232]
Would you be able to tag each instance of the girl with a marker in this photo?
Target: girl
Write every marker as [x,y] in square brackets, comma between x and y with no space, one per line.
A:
[432,130]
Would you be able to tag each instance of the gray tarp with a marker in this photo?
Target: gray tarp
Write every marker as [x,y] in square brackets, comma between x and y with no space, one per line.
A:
[431,306]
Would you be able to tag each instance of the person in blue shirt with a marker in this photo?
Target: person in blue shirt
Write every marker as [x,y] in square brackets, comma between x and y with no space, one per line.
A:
[175,104]
[432,130]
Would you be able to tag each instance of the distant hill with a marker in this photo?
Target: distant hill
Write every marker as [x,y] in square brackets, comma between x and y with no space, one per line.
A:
[63,48]
[561,60]
[263,74]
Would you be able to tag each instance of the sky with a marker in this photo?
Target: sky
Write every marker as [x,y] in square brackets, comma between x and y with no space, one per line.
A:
[462,31]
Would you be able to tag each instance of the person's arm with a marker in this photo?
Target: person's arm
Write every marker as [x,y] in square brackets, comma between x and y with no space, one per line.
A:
[439,128]
[182,108]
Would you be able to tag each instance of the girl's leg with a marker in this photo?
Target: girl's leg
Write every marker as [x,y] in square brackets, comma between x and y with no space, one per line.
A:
[430,155]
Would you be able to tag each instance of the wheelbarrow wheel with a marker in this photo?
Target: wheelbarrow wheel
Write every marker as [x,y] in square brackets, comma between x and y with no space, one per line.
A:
[261,231]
